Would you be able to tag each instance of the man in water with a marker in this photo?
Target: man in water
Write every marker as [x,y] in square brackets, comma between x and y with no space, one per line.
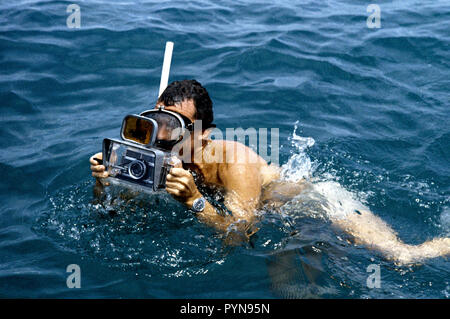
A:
[247,183]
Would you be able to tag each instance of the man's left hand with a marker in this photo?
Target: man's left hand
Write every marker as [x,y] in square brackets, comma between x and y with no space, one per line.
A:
[180,184]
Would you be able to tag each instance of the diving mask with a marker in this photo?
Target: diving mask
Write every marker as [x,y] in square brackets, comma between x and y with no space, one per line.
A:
[156,127]
[171,126]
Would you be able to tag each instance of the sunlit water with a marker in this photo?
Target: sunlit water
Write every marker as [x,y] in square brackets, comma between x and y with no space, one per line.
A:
[362,113]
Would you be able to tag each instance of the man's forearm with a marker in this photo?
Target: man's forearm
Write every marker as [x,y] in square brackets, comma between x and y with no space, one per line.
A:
[212,218]
[236,231]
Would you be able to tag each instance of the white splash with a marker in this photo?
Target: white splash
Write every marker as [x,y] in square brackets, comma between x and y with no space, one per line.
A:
[445,220]
[339,201]
[299,164]
[331,198]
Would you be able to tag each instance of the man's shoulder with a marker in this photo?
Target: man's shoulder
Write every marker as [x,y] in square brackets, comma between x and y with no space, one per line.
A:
[234,152]
[229,154]
[231,145]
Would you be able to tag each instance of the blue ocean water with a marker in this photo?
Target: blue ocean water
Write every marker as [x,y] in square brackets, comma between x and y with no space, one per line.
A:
[363,108]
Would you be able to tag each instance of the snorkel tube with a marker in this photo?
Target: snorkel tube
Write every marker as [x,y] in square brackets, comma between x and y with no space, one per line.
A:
[166,67]
[165,81]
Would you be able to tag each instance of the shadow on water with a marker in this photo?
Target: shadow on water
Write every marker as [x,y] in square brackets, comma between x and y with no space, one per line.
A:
[299,267]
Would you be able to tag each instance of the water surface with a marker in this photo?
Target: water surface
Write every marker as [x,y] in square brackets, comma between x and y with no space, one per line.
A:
[364,110]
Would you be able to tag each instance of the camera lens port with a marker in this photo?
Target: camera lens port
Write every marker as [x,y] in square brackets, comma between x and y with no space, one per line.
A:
[137,169]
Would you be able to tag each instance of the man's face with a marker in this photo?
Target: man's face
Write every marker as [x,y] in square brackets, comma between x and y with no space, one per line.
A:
[185,108]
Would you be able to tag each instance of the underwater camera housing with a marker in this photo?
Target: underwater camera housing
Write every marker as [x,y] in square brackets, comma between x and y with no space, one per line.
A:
[134,162]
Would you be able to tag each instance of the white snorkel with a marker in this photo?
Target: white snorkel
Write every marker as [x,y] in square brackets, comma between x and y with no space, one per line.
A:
[166,67]
[174,161]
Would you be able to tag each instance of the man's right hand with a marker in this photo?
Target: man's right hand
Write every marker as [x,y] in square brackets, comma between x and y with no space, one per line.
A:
[98,170]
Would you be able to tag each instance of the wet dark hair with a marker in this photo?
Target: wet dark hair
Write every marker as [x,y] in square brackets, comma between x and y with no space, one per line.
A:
[180,91]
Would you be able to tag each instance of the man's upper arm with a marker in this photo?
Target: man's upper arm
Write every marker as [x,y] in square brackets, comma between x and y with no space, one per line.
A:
[243,189]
